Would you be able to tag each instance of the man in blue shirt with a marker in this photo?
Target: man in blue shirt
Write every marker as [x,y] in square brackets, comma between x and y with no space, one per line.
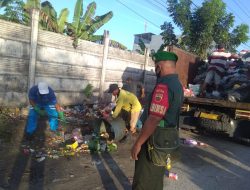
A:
[41,96]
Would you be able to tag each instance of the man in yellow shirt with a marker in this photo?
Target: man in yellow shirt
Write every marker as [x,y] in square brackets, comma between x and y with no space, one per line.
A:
[128,102]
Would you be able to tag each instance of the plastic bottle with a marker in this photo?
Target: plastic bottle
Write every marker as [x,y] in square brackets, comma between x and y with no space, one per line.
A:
[171,175]
[168,165]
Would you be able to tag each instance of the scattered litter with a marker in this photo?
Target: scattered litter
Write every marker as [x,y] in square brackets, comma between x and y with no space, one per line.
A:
[94,163]
[112,147]
[26,151]
[171,175]
[77,135]
[32,150]
[89,133]
[73,146]
[40,159]
[192,142]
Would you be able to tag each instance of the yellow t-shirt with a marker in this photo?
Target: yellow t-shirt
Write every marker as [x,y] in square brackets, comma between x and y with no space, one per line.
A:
[127,101]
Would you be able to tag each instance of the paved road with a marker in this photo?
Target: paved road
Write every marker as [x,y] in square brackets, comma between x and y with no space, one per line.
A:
[222,165]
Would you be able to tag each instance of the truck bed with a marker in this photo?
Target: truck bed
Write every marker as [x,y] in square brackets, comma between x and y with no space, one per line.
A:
[218,103]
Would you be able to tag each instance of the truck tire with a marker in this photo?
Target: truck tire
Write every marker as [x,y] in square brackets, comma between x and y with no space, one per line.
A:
[239,130]
[213,125]
[242,131]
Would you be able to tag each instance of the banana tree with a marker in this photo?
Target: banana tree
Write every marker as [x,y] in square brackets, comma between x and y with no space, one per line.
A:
[84,26]
[45,15]
[51,22]
[62,20]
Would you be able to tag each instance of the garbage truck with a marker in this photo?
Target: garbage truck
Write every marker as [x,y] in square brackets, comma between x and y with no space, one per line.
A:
[215,115]
[220,116]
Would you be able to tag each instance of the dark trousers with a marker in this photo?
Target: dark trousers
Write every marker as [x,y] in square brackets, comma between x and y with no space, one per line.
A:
[147,176]
[126,116]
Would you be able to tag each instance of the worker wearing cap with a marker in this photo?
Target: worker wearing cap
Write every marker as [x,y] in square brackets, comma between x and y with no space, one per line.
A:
[128,102]
[42,97]
[162,111]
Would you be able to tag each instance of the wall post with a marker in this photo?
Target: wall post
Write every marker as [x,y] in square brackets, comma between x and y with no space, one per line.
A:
[145,65]
[104,61]
[33,46]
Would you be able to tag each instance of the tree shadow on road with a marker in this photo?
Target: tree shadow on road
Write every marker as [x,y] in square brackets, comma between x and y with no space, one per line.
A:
[107,180]
[25,162]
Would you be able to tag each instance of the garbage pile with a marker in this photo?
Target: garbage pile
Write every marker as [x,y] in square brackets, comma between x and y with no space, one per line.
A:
[84,132]
[234,86]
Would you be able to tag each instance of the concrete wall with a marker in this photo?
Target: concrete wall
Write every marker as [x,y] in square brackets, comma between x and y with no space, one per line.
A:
[67,70]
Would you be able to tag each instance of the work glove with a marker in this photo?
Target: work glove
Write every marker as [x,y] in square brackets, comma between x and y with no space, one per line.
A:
[61,116]
[39,111]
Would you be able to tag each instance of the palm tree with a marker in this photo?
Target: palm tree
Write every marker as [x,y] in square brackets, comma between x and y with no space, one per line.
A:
[53,24]
[84,26]
[44,16]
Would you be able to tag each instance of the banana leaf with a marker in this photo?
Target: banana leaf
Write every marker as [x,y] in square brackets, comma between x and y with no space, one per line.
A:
[77,13]
[62,19]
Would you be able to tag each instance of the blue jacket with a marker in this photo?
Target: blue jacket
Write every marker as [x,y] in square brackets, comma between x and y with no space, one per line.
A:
[42,100]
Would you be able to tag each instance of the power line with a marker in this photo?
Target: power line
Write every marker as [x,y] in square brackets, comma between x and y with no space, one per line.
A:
[138,14]
[234,12]
[157,6]
[160,3]
[194,4]
[241,8]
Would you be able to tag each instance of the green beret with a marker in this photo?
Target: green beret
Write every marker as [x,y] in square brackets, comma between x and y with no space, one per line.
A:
[164,56]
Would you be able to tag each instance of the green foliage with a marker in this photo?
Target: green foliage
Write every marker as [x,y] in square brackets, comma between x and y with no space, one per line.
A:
[33,4]
[112,43]
[50,17]
[116,44]
[14,12]
[142,47]
[168,35]
[4,3]
[84,26]
[88,91]
[51,22]
[238,36]
[205,25]
[62,20]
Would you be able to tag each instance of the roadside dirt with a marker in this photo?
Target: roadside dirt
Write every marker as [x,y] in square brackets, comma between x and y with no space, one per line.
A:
[221,164]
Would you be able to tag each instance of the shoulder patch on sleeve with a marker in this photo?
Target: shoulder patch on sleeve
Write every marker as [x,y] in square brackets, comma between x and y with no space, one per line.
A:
[159,103]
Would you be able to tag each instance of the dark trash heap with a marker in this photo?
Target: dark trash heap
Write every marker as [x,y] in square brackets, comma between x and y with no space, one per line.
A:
[83,132]
[234,86]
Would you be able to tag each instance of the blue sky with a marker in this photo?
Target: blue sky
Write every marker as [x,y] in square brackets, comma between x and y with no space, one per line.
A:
[150,14]
[138,16]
